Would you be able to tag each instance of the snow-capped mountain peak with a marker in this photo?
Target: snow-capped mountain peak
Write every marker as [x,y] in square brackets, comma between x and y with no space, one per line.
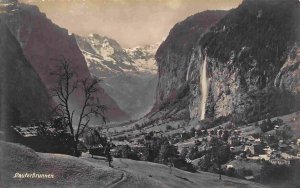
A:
[144,57]
[106,57]
[129,75]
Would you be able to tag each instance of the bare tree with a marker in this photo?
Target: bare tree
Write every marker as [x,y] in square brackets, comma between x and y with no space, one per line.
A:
[67,84]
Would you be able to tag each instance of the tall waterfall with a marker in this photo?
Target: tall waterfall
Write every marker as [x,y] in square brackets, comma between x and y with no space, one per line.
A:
[188,71]
[204,88]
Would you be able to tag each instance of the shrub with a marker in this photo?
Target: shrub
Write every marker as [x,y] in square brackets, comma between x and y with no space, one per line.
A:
[183,165]
[169,127]
[55,137]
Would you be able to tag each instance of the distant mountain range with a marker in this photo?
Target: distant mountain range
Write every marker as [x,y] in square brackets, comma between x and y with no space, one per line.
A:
[129,75]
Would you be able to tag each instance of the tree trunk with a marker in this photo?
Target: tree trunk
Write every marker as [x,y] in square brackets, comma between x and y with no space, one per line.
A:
[76,152]
[220,175]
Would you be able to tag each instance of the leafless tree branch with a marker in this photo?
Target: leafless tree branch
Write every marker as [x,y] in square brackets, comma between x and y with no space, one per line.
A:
[67,83]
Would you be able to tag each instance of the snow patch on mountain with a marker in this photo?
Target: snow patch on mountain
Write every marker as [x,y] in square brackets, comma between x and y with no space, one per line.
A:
[144,57]
[107,51]
[104,56]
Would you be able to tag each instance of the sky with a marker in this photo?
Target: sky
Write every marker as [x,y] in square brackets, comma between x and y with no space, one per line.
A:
[130,22]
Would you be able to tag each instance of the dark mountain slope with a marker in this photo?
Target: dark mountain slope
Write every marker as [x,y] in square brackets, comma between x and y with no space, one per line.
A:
[23,96]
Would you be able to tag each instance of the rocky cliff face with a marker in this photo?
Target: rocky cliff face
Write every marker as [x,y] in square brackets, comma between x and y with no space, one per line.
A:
[129,75]
[23,96]
[289,75]
[245,52]
[174,53]
[176,73]
[43,42]
[245,66]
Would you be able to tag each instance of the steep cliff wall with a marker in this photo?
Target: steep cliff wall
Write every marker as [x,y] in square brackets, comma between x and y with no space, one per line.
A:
[23,96]
[245,66]
[246,51]
[174,54]
[177,75]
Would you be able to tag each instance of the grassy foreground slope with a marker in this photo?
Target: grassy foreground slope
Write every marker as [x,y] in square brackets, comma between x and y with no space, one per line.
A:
[87,172]
[173,178]
[68,171]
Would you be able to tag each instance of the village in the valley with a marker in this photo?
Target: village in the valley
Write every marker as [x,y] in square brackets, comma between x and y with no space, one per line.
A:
[247,147]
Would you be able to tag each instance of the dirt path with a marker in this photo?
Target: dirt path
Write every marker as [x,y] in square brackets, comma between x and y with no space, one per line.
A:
[123,178]
[129,178]
[101,161]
